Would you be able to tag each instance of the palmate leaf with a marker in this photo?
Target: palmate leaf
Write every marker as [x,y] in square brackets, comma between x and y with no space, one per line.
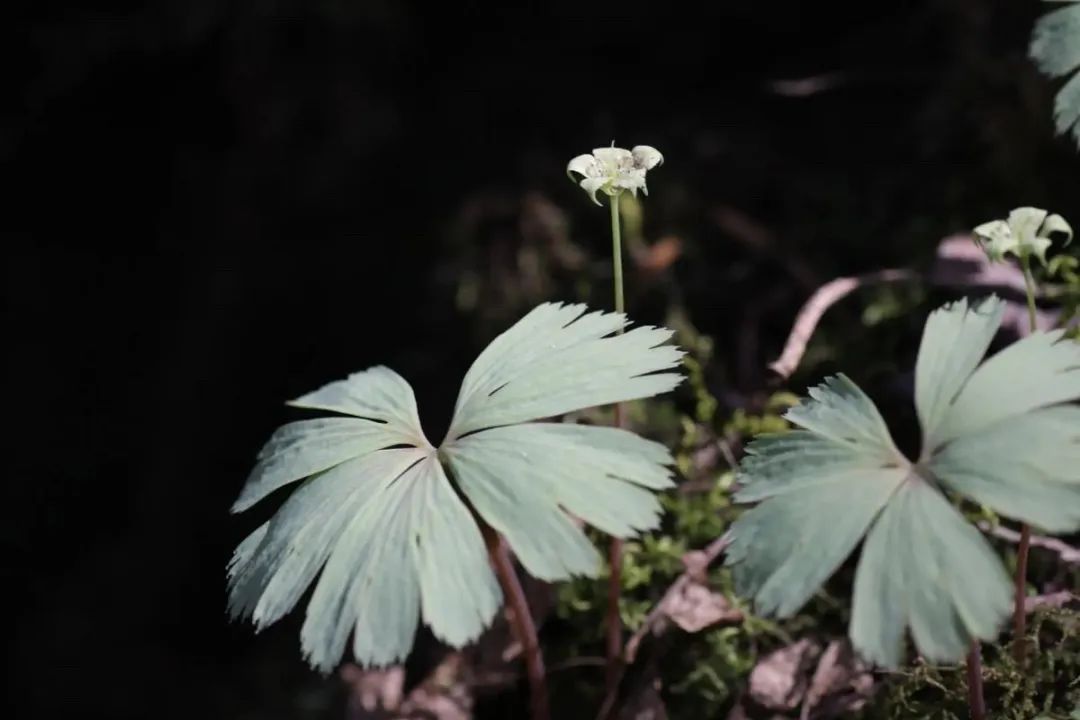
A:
[999,432]
[1055,47]
[376,511]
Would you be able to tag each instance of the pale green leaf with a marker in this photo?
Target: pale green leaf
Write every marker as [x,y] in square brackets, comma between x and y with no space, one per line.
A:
[411,548]
[268,579]
[997,432]
[378,516]
[1040,370]
[558,359]
[1026,467]
[786,547]
[839,410]
[1067,108]
[377,393]
[954,341]
[1053,43]
[923,565]
[545,539]
[598,474]
[459,594]
[369,586]
[1055,47]
[301,449]
[779,463]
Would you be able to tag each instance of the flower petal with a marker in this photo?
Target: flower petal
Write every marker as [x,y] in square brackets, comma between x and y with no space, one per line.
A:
[613,157]
[1055,224]
[591,185]
[630,179]
[1025,223]
[584,165]
[996,238]
[646,157]
[1038,247]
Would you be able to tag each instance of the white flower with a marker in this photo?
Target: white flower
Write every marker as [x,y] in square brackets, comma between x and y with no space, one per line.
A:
[613,169]
[1026,231]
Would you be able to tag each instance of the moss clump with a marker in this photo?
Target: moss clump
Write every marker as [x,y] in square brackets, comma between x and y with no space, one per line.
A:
[1048,687]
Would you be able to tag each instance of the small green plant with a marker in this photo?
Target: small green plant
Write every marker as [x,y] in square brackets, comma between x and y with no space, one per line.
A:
[398,526]
[999,433]
[613,171]
[1055,48]
[1027,233]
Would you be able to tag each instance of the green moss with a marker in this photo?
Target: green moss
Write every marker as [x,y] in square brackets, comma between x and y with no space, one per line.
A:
[1048,687]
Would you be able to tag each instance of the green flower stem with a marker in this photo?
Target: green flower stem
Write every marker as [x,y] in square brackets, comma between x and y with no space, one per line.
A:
[1019,611]
[1029,285]
[521,621]
[615,552]
[616,255]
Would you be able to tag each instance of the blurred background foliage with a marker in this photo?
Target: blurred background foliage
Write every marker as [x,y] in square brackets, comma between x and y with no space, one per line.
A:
[215,206]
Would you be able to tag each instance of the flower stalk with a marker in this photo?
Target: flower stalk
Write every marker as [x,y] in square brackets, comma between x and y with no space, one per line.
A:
[613,171]
[615,551]
[1022,550]
[1027,232]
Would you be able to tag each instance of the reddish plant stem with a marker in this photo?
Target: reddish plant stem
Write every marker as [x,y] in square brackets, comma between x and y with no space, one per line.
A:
[614,620]
[521,622]
[976,702]
[1019,610]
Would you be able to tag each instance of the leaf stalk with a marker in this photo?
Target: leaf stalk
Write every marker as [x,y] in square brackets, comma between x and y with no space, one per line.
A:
[976,701]
[521,621]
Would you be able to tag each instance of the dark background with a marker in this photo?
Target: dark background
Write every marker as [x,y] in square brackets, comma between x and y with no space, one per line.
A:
[212,207]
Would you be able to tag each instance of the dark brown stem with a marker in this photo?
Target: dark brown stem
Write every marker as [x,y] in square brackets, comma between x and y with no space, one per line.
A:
[521,622]
[1019,609]
[613,624]
[976,702]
